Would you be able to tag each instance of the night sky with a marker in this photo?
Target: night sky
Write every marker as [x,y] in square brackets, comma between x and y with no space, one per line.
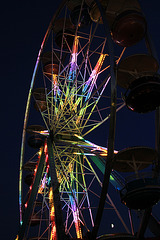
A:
[23,25]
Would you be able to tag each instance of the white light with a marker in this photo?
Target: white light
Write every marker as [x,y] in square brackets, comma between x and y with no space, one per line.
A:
[112,225]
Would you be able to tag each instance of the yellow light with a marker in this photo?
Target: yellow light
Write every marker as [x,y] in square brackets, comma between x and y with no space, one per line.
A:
[111,177]
[39,153]
[78,136]
[52,216]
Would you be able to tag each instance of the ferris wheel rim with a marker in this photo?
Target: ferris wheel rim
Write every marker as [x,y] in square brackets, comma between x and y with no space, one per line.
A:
[31,88]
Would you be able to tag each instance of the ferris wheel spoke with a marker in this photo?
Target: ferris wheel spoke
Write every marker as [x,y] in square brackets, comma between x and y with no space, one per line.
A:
[96,102]
[83,106]
[104,120]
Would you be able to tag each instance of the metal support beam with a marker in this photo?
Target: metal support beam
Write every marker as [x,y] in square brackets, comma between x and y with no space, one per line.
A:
[56,196]
[28,211]
[144,223]
[152,51]
[154,226]
[109,162]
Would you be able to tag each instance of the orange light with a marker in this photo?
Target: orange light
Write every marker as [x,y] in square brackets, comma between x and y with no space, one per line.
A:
[103,154]
[52,216]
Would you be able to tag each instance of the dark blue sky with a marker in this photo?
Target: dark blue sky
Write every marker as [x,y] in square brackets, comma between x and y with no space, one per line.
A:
[23,25]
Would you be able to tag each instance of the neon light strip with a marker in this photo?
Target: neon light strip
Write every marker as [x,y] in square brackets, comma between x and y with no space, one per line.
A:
[73,65]
[52,216]
[91,81]
[73,201]
[96,102]
[94,74]
[94,146]
[75,212]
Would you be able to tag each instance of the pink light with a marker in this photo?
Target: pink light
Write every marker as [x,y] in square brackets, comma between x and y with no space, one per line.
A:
[45,148]
[75,212]
[94,75]
[73,68]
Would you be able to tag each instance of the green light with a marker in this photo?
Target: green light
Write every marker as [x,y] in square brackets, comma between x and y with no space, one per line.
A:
[111,178]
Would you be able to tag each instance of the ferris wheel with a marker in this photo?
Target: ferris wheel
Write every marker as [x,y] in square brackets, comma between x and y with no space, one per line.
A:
[81,81]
